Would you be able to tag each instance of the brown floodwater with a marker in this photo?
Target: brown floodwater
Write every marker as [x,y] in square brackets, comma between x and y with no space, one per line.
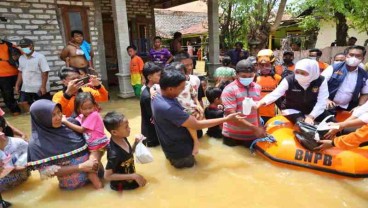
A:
[223,177]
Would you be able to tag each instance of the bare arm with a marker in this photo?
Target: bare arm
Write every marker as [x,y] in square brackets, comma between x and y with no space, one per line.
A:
[19,82]
[64,53]
[73,127]
[45,77]
[363,99]
[110,176]
[351,123]
[242,122]
[16,131]
[170,59]
[87,166]
[193,123]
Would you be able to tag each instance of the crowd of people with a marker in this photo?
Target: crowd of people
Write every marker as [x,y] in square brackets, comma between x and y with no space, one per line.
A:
[68,138]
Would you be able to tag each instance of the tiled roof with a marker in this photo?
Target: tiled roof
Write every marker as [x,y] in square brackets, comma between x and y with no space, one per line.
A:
[196,29]
[169,22]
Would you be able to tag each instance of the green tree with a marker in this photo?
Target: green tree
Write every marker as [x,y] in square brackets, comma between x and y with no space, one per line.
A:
[345,14]
[232,22]
[249,20]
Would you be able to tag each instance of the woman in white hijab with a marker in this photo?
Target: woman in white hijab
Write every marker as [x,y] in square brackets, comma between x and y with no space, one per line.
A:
[303,95]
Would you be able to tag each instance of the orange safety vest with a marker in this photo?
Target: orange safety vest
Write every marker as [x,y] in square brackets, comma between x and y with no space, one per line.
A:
[322,66]
[268,84]
[280,68]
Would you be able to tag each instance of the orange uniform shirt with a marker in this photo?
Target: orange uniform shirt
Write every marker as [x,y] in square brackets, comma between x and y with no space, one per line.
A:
[67,105]
[280,68]
[322,66]
[6,70]
[352,140]
[268,84]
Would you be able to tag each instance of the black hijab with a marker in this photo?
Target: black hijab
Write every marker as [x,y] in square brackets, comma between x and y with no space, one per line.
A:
[49,145]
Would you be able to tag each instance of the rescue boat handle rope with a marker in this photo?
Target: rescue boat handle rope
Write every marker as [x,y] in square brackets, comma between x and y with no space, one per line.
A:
[268,138]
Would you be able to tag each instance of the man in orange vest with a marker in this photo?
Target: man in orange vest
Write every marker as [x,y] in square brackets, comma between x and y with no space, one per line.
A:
[9,74]
[268,80]
[316,54]
[287,66]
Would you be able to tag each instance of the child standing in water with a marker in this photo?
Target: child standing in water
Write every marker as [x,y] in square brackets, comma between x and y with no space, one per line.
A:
[91,127]
[120,169]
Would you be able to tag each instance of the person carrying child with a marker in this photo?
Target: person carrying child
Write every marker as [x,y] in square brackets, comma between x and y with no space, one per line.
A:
[188,100]
[214,110]
[92,128]
[120,169]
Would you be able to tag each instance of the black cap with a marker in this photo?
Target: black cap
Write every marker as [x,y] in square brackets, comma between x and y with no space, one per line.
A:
[25,42]
[245,66]
[288,53]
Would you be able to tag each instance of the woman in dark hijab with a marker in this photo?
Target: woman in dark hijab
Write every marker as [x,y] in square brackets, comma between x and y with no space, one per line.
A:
[55,150]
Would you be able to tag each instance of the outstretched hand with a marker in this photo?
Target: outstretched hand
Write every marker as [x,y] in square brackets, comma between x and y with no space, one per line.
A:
[324,144]
[233,117]
[333,131]
[259,104]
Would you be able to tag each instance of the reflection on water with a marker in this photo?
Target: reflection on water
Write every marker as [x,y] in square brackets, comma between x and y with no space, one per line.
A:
[223,177]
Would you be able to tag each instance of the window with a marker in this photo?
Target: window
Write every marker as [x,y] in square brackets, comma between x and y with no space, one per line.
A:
[75,18]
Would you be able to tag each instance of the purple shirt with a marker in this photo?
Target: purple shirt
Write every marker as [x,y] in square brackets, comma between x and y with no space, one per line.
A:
[160,57]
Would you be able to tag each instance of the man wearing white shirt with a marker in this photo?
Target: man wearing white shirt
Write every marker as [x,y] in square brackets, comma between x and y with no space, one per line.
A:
[347,81]
[33,77]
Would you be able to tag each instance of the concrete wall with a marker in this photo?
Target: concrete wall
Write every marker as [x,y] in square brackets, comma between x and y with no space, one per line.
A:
[40,21]
[327,35]
[137,11]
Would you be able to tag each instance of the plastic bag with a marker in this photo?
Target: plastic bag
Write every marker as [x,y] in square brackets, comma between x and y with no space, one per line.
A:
[306,134]
[142,153]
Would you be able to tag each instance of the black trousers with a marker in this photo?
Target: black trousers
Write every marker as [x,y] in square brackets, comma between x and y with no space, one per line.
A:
[7,92]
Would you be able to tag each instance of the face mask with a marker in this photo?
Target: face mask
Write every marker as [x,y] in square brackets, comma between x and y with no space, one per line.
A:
[246,81]
[353,61]
[313,58]
[288,61]
[337,62]
[26,50]
[302,80]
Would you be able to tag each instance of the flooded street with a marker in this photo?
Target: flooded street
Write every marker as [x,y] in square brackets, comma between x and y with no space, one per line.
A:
[223,177]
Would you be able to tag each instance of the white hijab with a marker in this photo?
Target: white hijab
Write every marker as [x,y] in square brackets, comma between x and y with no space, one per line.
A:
[310,66]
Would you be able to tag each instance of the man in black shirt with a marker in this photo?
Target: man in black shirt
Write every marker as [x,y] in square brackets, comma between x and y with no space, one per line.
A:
[151,73]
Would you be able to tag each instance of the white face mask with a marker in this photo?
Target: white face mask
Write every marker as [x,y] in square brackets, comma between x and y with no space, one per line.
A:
[313,58]
[302,80]
[353,61]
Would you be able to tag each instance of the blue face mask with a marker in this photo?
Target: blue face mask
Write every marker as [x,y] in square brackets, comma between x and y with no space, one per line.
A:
[26,50]
[246,81]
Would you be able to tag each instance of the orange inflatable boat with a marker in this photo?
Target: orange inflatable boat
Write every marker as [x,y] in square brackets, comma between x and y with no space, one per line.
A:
[288,151]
